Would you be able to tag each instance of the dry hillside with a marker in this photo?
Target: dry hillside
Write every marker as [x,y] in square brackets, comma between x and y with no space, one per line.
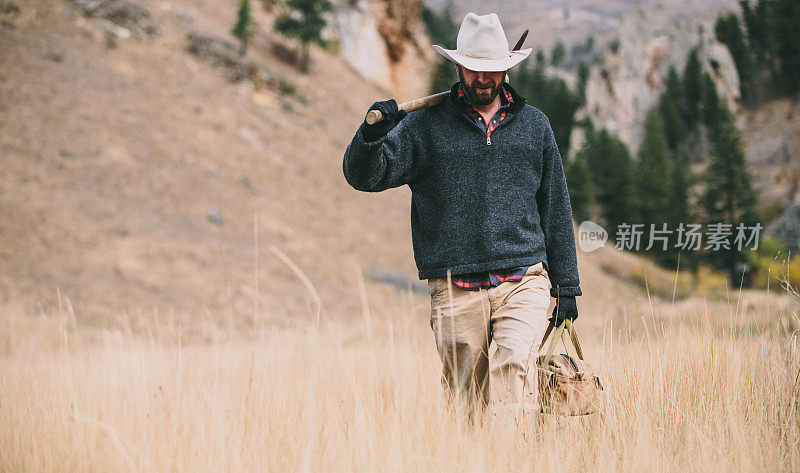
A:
[136,177]
[115,158]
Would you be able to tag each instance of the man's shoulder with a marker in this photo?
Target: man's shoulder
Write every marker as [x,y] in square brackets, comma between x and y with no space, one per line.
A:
[535,120]
[427,113]
[424,117]
[535,113]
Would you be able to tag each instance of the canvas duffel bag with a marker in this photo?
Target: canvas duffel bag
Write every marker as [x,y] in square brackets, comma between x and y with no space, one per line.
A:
[567,386]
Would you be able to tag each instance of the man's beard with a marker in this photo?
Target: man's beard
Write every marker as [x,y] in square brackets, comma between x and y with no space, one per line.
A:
[478,96]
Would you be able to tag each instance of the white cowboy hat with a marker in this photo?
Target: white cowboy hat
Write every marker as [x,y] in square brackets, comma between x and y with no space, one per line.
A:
[482,45]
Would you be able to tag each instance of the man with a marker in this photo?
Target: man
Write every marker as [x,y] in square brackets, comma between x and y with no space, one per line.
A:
[490,218]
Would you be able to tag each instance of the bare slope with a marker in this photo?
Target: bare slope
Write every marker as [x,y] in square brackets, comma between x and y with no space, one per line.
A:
[113,159]
[136,178]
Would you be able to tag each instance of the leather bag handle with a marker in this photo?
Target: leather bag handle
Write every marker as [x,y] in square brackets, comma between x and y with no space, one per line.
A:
[573,335]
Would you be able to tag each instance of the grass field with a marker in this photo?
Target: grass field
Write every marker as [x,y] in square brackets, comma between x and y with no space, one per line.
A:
[249,378]
[695,386]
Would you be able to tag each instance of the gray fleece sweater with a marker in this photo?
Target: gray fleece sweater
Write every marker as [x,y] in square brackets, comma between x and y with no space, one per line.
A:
[476,205]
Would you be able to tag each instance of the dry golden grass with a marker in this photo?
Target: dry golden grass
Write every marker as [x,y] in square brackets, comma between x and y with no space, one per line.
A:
[692,385]
[698,386]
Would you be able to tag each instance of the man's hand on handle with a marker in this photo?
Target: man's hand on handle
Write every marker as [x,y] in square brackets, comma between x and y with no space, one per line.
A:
[392,117]
[566,308]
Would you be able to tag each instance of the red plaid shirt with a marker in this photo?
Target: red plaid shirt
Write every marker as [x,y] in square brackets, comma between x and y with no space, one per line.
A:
[486,279]
[469,110]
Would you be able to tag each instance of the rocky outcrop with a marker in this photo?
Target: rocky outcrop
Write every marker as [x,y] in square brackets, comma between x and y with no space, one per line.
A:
[631,76]
[119,17]
[787,228]
[385,41]
[224,55]
[8,11]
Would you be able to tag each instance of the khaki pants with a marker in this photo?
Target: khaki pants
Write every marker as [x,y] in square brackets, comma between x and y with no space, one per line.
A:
[513,315]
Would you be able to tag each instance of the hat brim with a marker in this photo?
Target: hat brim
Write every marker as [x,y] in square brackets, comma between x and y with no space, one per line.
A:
[483,64]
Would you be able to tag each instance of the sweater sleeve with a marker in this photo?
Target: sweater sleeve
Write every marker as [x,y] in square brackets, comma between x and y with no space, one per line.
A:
[555,213]
[378,165]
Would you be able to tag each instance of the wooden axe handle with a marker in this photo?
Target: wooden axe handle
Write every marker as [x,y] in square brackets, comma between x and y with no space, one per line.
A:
[374,116]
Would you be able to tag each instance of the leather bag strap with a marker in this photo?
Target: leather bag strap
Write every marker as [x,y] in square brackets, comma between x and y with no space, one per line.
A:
[573,335]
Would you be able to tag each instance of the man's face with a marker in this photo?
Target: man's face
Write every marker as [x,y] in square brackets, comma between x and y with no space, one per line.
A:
[481,87]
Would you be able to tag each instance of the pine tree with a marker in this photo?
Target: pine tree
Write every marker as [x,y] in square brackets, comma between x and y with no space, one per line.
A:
[561,105]
[680,180]
[581,189]
[620,185]
[304,21]
[674,131]
[692,89]
[442,30]
[729,197]
[540,59]
[245,26]
[765,37]
[760,23]
[755,30]
[583,79]
[729,32]
[673,85]
[443,77]
[652,176]
[673,108]
[611,168]
[787,15]
[557,54]
[711,107]
[680,177]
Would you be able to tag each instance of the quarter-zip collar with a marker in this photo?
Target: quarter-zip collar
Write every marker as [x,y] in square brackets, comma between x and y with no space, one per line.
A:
[516,106]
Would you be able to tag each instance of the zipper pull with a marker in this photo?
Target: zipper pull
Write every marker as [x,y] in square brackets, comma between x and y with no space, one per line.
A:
[488,140]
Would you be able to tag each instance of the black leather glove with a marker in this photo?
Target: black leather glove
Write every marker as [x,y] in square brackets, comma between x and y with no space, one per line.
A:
[391,117]
[566,308]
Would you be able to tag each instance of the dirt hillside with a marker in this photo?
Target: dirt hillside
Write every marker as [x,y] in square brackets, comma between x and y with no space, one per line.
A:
[136,177]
